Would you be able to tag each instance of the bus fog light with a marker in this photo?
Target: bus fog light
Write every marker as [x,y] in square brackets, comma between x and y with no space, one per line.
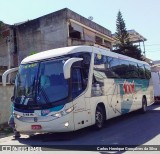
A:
[66,124]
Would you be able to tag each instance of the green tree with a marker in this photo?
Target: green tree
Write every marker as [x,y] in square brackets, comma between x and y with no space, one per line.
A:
[121,33]
[124,46]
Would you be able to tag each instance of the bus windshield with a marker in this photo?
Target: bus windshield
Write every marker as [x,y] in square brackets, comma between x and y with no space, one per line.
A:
[41,83]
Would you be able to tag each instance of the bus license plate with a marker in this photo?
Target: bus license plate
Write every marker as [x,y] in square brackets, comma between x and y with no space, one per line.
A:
[36,127]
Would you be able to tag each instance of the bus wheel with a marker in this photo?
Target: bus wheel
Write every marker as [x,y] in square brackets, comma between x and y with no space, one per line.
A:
[144,105]
[99,118]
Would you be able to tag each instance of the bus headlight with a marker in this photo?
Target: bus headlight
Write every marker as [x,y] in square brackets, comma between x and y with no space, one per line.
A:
[62,113]
[69,110]
[17,116]
[58,115]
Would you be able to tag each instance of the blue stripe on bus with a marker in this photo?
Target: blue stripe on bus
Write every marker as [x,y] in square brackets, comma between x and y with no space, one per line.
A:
[47,111]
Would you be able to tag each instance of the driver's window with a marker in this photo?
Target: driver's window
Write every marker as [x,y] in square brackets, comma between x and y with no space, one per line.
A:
[76,82]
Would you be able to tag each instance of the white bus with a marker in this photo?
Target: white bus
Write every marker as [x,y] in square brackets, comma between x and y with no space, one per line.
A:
[155,73]
[70,88]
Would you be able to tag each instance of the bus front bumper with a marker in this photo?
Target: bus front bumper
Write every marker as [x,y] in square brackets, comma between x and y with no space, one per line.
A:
[62,124]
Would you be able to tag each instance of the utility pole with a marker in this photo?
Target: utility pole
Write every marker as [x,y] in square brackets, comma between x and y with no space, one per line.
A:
[9,55]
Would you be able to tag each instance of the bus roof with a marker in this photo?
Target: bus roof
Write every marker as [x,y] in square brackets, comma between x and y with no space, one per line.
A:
[73,49]
[55,53]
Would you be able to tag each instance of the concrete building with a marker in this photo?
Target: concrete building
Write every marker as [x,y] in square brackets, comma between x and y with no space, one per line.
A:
[58,29]
[134,37]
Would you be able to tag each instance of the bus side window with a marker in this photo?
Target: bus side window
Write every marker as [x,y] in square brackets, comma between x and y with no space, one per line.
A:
[141,71]
[77,83]
[147,72]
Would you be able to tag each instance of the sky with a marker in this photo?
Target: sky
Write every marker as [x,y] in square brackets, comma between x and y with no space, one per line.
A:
[141,15]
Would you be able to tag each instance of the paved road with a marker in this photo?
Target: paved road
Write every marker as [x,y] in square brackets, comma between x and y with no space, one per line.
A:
[131,129]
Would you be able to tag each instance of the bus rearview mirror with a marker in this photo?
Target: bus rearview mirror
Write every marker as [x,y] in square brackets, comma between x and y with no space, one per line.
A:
[5,74]
[67,66]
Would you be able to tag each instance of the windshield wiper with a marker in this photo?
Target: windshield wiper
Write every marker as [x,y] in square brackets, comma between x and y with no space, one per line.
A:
[25,100]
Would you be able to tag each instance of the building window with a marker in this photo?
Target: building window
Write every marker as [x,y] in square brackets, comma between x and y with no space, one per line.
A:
[73,33]
[98,40]
[89,35]
[107,44]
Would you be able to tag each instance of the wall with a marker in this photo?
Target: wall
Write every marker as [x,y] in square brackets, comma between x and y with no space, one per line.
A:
[42,34]
[50,31]
[75,16]
[5,103]
[6,47]
[89,30]
[3,51]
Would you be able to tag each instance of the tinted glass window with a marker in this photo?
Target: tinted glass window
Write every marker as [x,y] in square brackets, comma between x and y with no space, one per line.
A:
[83,65]
[99,68]
[132,70]
[141,71]
[114,67]
[123,69]
[76,82]
[99,59]
[52,85]
[147,72]
[109,67]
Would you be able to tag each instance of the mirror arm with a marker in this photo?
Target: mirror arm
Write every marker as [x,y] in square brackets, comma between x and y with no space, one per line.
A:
[4,76]
[67,66]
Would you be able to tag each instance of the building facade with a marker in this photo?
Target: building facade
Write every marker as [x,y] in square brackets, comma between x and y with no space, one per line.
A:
[58,29]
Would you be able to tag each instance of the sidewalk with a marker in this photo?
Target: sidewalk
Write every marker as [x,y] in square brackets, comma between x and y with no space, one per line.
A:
[5,130]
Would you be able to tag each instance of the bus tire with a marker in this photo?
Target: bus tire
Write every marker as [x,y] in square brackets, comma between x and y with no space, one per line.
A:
[144,105]
[99,118]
